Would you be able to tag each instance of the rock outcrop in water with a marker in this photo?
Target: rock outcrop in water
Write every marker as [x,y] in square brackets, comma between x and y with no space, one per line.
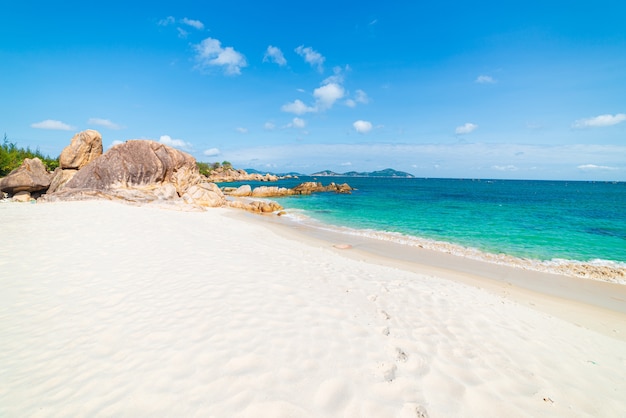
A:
[305,188]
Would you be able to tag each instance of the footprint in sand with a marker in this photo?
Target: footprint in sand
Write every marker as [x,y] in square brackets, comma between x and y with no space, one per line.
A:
[389,371]
[384,315]
[413,409]
[401,355]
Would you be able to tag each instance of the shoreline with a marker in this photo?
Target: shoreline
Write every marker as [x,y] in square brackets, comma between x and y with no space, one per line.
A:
[599,270]
[574,299]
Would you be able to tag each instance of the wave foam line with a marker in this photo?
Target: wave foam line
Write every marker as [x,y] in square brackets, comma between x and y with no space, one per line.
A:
[598,269]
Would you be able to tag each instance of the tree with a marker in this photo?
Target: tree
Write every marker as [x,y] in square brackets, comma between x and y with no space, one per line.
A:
[11,157]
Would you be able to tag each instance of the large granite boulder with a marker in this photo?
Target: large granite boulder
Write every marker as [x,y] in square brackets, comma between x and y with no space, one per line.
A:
[85,147]
[205,195]
[241,191]
[31,176]
[256,206]
[137,163]
[60,178]
[271,191]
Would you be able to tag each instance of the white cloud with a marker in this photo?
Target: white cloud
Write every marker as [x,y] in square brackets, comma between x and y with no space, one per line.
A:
[314,58]
[176,143]
[210,54]
[338,75]
[599,121]
[509,167]
[104,123]
[167,21]
[211,152]
[298,123]
[593,167]
[297,107]
[269,126]
[361,97]
[182,33]
[116,142]
[534,125]
[362,126]
[465,129]
[242,130]
[171,20]
[274,55]
[485,79]
[330,91]
[328,94]
[193,23]
[53,125]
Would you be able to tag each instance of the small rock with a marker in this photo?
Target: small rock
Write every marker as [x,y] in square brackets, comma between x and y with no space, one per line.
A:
[21,197]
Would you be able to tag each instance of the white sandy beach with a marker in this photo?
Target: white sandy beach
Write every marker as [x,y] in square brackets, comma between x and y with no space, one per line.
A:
[115,310]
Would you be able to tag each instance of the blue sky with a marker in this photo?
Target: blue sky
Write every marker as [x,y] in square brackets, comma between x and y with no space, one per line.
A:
[535,90]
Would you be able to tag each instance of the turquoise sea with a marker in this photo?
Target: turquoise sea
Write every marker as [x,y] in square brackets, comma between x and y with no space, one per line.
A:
[538,220]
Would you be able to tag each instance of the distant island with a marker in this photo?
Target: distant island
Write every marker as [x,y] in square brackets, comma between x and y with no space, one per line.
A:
[388,172]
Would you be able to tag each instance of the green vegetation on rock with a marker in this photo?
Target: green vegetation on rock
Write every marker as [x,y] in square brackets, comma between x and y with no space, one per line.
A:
[206,168]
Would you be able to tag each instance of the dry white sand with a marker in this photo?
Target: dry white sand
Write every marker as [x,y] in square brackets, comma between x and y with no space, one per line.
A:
[114,310]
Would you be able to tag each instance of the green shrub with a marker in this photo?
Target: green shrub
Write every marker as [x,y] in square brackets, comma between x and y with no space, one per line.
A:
[204,168]
[207,168]
[11,157]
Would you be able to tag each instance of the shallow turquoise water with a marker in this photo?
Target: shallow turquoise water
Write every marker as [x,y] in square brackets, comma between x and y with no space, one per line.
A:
[541,220]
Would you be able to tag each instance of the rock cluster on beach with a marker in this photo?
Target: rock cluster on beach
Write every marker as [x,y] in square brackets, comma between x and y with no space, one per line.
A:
[137,171]
[142,171]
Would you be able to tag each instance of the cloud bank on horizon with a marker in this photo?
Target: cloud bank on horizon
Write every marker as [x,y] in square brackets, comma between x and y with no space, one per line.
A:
[266,89]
